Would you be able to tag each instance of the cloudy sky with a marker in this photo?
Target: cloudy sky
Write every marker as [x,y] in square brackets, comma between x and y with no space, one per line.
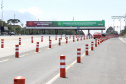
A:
[65,10]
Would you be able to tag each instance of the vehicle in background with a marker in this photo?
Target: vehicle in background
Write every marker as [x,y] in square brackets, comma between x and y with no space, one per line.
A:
[97,35]
[12,33]
[103,34]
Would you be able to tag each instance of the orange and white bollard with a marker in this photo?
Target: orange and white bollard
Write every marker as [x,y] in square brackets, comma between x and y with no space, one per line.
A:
[41,38]
[98,42]
[20,41]
[59,41]
[77,38]
[95,42]
[61,37]
[32,39]
[81,38]
[86,49]
[66,39]
[19,80]
[17,51]
[2,43]
[37,46]
[69,36]
[55,37]
[50,43]
[92,45]
[78,55]
[62,66]
[73,38]
[84,37]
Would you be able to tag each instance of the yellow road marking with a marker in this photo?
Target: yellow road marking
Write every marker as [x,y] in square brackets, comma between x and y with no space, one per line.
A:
[8,59]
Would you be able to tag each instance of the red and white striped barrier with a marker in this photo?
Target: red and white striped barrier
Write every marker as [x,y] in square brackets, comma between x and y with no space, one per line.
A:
[59,41]
[32,39]
[20,41]
[55,37]
[2,43]
[50,43]
[41,38]
[78,55]
[95,42]
[19,80]
[66,39]
[92,45]
[86,49]
[37,46]
[62,66]
[17,51]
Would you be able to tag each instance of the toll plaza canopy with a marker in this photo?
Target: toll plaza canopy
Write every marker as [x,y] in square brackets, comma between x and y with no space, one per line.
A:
[82,25]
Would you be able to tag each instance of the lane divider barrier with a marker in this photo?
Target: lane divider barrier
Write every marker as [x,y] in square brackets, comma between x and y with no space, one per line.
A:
[2,43]
[37,46]
[66,40]
[41,38]
[17,51]
[19,80]
[55,37]
[31,39]
[73,38]
[59,41]
[20,41]
[50,43]
[86,49]
[95,42]
[92,45]
[78,55]
[62,66]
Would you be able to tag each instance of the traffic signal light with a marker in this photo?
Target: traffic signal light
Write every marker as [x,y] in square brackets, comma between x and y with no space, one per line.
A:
[2,28]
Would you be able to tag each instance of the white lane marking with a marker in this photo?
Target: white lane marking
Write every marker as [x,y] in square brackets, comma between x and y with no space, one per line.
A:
[4,60]
[58,75]
[122,40]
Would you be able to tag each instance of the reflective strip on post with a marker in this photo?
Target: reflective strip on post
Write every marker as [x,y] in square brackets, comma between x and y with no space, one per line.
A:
[62,66]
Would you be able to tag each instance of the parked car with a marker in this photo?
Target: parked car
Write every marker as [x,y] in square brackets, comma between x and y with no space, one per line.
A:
[12,33]
[97,35]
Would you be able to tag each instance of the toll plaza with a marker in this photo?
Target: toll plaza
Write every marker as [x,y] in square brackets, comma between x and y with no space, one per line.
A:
[65,25]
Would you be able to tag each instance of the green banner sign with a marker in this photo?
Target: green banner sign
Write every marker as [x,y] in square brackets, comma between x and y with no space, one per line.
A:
[65,23]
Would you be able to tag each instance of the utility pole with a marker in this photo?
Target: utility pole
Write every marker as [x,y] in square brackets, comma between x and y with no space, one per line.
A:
[14,23]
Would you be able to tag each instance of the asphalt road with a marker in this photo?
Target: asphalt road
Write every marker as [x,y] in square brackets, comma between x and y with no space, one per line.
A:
[105,65]
[39,68]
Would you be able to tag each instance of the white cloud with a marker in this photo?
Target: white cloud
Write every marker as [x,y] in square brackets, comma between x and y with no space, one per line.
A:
[32,10]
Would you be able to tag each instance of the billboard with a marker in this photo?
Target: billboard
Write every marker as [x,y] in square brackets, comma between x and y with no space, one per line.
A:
[65,23]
